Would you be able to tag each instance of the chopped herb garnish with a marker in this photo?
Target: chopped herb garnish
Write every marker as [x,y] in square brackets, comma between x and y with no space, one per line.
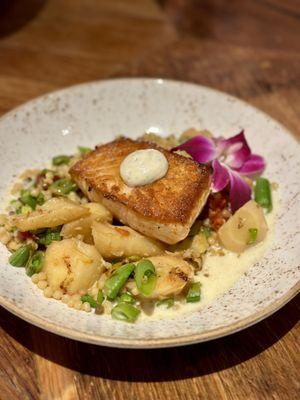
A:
[61,160]
[252,235]
[166,302]
[194,293]
[89,299]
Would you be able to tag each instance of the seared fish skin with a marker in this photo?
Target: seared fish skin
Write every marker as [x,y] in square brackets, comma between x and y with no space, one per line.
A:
[165,209]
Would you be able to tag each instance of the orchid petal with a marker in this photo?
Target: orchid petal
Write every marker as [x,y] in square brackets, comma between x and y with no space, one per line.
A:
[220,178]
[201,148]
[237,150]
[254,165]
[240,191]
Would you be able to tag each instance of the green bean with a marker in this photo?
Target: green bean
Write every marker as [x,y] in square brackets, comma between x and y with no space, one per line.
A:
[100,297]
[25,209]
[252,235]
[35,263]
[262,193]
[145,277]
[40,199]
[206,231]
[45,170]
[168,303]
[61,160]
[89,299]
[84,150]
[49,236]
[27,199]
[126,298]
[63,186]
[125,312]
[20,257]
[193,293]
[114,284]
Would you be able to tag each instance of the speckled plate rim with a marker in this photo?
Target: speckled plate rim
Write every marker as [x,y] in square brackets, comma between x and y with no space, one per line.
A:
[153,343]
[159,342]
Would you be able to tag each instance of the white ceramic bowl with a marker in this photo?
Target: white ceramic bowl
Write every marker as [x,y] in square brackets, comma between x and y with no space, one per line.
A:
[96,112]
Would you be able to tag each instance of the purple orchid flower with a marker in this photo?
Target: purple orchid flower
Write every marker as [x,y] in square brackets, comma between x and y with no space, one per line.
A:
[231,161]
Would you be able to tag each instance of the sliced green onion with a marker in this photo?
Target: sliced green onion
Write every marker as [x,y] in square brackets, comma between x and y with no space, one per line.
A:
[252,235]
[166,302]
[206,231]
[27,199]
[100,297]
[61,160]
[63,186]
[114,284]
[262,193]
[20,257]
[89,299]
[35,263]
[40,199]
[84,150]
[127,298]
[25,209]
[45,170]
[15,203]
[145,277]
[193,293]
[49,236]
[125,312]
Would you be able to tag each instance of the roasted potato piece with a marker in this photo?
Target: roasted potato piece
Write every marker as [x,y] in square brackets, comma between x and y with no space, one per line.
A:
[72,265]
[234,234]
[122,241]
[191,247]
[83,226]
[56,211]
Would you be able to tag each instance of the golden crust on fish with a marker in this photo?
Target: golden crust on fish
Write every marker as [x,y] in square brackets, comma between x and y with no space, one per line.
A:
[164,209]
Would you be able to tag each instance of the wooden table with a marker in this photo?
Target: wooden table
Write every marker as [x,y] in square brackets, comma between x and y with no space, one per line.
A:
[249,48]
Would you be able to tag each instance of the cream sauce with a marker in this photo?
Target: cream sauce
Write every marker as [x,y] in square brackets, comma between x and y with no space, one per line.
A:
[220,273]
[143,167]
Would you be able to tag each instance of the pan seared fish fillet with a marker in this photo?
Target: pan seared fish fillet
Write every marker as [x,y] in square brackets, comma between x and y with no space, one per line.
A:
[165,209]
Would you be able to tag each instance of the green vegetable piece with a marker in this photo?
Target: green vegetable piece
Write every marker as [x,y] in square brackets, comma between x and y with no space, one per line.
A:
[126,298]
[89,299]
[63,186]
[49,236]
[262,193]
[15,203]
[45,170]
[100,297]
[114,284]
[145,277]
[168,303]
[206,231]
[252,235]
[27,199]
[61,160]
[20,257]
[84,150]
[40,199]
[35,263]
[125,312]
[25,209]
[193,293]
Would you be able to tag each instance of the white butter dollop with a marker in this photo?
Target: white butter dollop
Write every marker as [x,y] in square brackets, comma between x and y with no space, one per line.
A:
[143,167]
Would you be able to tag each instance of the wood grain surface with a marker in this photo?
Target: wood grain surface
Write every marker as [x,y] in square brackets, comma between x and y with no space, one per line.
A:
[249,48]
